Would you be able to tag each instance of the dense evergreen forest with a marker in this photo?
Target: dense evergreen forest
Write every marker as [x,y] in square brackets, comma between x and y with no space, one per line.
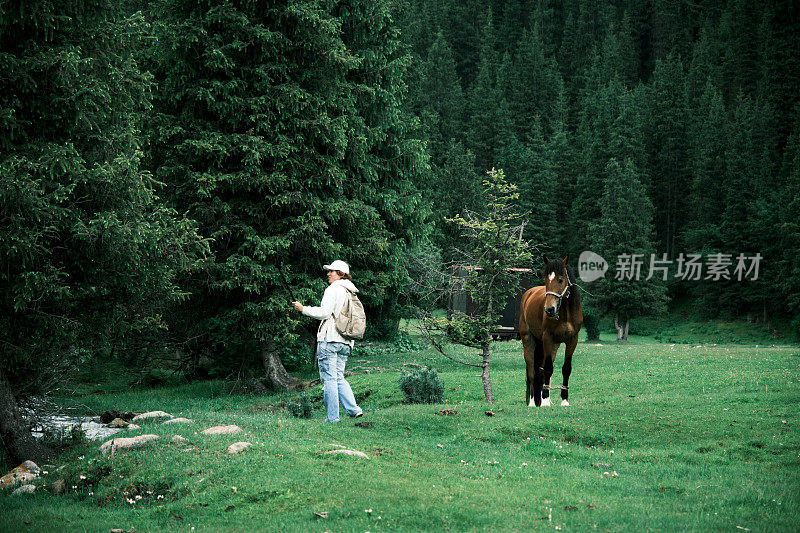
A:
[166,164]
[631,127]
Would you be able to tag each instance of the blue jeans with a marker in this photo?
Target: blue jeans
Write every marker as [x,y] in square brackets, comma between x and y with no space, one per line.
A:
[332,356]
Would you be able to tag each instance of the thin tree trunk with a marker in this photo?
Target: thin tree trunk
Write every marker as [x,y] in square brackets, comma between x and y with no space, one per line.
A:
[619,328]
[486,376]
[627,327]
[14,435]
[278,377]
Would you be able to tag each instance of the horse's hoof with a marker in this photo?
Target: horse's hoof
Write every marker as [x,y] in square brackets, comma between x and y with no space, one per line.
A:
[531,403]
[546,402]
[564,403]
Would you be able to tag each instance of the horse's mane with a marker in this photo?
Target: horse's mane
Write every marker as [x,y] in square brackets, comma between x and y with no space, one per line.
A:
[555,266]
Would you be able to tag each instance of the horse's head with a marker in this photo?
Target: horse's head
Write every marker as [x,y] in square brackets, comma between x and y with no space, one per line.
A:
[557,282]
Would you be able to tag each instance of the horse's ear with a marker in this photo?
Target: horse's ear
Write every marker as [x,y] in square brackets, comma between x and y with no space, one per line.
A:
[546,260]
[565,260]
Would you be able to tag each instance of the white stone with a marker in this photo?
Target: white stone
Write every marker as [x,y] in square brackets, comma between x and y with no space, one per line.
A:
[349,452]
[222,430]
[25,489]
[151,414]
[177,439]
[126,443]
[238,446]
[179,421]
[131,427]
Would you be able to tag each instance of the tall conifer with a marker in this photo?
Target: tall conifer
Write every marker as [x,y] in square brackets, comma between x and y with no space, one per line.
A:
[281,129]
[625,229]
[90,254]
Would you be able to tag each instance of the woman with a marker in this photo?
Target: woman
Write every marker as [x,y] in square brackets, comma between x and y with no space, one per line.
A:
[332,348]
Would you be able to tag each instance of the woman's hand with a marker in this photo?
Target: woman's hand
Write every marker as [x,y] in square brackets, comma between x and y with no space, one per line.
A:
[297,306]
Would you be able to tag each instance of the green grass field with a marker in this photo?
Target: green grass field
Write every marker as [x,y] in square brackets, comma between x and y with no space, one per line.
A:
[658,437]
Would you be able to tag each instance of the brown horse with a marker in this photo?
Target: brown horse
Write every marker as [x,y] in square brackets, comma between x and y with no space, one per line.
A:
[549,315]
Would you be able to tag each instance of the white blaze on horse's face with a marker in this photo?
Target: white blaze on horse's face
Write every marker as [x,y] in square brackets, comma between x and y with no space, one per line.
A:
[553,287]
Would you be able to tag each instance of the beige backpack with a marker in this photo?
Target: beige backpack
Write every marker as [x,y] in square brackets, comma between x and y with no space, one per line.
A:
[352,320]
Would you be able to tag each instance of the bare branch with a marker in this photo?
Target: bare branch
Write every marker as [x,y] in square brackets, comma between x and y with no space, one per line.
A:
[439,348]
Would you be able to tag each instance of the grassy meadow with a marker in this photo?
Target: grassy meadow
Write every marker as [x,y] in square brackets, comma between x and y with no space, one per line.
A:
[663,437]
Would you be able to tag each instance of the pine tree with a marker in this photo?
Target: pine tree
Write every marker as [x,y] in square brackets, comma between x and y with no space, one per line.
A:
[790,226]
[465,31]
[672,22]
[538,189]
[531,84]
[442,100]
[668,151]
[484,104]
[282,131]
[747,220]
[707,165]
[703,67]
[491,248]
[738,34]
[456,187]
[561,164]
[385,171]
[625,229]
[90,254]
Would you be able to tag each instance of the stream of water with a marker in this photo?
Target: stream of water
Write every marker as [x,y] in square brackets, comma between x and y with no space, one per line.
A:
[61,426]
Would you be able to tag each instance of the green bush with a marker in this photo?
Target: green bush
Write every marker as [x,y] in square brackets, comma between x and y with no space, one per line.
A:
[591,323]
[303,409]
[421,384]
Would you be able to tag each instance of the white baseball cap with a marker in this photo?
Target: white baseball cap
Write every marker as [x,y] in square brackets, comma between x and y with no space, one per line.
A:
[338,265]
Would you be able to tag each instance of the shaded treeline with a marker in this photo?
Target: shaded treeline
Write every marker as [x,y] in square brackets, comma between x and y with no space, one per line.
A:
[696,103]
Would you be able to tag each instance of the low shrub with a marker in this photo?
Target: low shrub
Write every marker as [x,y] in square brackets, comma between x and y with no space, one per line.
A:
[421,384]
[301,409]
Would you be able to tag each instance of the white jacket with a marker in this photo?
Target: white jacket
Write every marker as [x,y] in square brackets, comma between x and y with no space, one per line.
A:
[332,302]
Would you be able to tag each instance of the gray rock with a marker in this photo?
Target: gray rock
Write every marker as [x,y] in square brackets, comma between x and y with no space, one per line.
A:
[349,452]
[177,439]
[59,486]
[25,489]
[179,421]
[151,414]
[238,446]
[222,430]
[126,443]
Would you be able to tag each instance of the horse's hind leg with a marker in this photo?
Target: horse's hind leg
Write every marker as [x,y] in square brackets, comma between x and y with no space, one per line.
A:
[529,386]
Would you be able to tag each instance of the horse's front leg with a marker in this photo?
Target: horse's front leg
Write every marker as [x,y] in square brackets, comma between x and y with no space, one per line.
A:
[536,373]
[566,370]
[549,358]
[528,349]
[544,363]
